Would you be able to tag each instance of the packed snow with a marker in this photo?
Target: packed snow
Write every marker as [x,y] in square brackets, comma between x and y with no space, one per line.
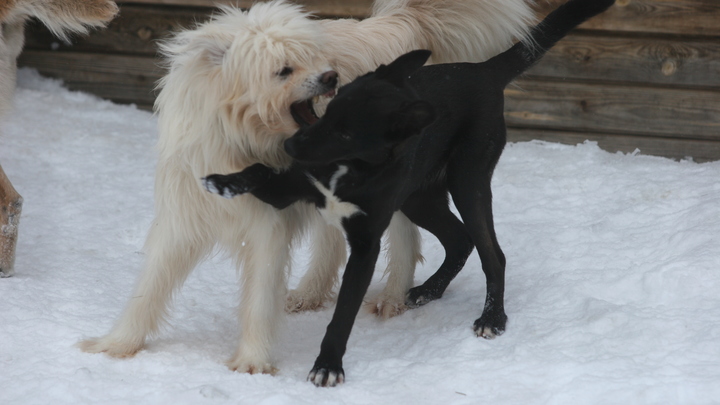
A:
[613,283]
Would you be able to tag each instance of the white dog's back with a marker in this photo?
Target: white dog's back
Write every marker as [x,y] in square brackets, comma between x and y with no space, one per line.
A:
[463,31]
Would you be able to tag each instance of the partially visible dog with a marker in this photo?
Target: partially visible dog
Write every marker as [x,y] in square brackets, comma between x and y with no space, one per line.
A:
[61,17]
[227,103]
[400,138]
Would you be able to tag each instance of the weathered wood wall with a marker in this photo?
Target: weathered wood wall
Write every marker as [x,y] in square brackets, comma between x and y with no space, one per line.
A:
[646,74]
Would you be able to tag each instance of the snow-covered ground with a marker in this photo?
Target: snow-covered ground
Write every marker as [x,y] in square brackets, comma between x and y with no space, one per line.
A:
[613,283]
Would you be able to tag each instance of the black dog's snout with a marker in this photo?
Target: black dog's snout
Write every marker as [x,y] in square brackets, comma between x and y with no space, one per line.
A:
[329,78]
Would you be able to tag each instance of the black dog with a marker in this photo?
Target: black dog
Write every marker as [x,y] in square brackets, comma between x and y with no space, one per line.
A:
[400,138]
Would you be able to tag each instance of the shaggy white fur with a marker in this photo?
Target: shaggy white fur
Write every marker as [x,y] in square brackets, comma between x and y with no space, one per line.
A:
[225,104]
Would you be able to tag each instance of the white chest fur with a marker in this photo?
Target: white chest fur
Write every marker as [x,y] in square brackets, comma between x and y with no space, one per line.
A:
[335,210]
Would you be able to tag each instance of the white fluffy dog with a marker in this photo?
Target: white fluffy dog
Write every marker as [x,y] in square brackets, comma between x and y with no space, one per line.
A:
[227,103]
[61,17]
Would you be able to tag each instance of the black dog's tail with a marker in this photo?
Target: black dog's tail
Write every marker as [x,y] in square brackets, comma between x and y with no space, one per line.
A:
[545,35]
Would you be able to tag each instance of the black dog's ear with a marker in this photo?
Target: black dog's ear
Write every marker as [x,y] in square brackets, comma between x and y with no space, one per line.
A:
[411,119]
[397,71]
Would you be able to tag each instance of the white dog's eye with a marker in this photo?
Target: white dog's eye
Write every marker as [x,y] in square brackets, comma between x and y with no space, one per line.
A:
[285,72]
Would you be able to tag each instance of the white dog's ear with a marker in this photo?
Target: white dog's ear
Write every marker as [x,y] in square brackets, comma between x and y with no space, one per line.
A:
[201,44]
[212,48]
[216,54]
[196,45]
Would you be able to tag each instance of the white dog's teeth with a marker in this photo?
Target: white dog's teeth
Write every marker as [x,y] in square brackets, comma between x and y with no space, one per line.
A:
[316,99]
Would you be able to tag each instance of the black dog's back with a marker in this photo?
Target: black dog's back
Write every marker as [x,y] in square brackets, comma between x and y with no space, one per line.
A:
[467,94]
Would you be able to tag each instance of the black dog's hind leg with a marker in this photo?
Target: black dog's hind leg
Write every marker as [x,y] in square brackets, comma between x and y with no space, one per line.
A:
[469,175]
[430,210]
[364,250]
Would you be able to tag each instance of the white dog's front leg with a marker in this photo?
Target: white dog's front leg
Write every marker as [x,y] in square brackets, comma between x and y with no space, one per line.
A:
[328,254]
[168,264]
[265,260]
[404,252]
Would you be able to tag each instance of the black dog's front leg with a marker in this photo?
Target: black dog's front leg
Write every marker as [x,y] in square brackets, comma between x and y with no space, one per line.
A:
[279,189]
[231,185]
[364,250]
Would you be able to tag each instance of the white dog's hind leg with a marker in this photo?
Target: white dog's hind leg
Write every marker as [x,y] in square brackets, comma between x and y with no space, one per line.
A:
[328,254]
[404,244]
[265,259]
[170,258]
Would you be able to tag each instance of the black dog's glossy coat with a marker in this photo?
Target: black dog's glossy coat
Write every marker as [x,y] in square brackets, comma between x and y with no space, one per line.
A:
[400,138]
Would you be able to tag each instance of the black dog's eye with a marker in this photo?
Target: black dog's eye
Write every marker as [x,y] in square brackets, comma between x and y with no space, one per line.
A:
[285,72]
[345,136]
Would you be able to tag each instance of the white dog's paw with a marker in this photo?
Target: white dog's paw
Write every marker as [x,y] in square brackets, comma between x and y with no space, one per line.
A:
[111,347]
[299,301]
[385,306]
[243,365]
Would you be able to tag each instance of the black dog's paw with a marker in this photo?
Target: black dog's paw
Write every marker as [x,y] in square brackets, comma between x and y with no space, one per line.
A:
[421,295]
[226,186]
[212,184]
[326,376]
[490,325]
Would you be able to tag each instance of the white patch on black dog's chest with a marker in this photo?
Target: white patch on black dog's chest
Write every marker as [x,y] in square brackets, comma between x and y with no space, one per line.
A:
[335,210]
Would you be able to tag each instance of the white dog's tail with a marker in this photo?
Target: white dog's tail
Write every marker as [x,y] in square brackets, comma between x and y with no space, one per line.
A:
[61,16]
[465,30]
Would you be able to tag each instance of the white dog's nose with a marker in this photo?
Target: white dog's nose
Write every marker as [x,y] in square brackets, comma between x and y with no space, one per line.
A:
[329,78]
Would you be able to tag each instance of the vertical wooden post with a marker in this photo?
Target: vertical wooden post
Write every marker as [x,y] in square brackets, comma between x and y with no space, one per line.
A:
[10,208]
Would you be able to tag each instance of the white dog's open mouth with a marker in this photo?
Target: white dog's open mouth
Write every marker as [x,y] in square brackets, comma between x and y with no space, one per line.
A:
[303,112]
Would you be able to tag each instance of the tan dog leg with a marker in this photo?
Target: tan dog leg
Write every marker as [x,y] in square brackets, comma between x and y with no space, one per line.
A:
[10,208]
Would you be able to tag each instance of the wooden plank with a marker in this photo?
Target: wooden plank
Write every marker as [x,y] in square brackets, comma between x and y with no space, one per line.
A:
[621,109]
[686,17]
[673,61]
[690,17]
[679,62]
[127,79]
[699,151]
[135,31]
[338,8]
[614,108]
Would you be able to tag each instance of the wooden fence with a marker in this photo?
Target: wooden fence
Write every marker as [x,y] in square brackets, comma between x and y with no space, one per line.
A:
[644,75]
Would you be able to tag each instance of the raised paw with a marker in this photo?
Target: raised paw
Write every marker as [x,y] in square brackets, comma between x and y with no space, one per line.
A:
[421,295]
[489,326]
[226,186]
[326,376]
